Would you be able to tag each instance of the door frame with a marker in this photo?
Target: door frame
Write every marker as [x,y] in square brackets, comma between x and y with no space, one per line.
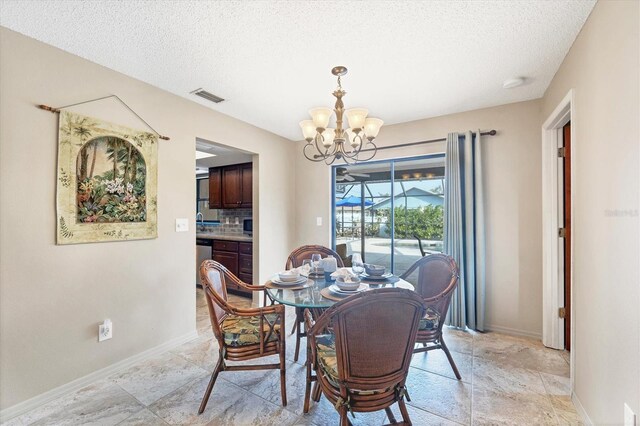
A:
[552,267]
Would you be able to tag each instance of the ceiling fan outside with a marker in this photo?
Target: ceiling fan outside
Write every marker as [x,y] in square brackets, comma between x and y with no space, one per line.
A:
[343,174]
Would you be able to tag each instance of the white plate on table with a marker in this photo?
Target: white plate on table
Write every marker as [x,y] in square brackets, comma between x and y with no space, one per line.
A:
[276,280]
[335,289]
[382,277]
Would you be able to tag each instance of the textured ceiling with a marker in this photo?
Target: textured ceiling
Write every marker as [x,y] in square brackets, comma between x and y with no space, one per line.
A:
[271,60]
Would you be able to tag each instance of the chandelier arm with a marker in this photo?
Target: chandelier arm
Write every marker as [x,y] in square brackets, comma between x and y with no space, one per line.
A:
[328,152]
[355,151]
[348,160]
[353,154]
[333,159]
[351,157]
[318,136]
[373,153]
[334,150]
[304,152]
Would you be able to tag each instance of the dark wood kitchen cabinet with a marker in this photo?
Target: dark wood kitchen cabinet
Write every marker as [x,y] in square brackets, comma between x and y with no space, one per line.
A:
[245,262]
[231,187]
[246,177]
[215,188]
[237,257]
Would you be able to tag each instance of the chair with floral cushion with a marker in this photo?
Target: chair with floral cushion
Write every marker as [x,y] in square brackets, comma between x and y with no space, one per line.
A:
[437,279]
[295,260]
[242,334]
[360,350]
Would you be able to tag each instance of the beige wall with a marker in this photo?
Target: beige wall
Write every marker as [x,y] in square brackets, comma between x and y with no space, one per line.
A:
[512,179]
[602,68]
[52,297]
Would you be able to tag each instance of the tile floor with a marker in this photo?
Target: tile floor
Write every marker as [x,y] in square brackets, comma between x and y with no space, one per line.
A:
[505,380]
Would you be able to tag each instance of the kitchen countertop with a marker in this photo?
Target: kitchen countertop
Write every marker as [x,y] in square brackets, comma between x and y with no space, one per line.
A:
[225,237]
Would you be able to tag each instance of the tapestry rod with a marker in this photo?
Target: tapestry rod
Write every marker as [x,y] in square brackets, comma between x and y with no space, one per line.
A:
[54,110]
[402,145]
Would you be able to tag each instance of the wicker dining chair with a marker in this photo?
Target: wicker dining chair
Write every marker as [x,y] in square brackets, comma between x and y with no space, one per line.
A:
[294,261]
[437,279]
[360,350]
[242,334]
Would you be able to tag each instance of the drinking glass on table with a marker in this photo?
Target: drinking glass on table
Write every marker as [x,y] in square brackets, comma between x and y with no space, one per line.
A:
[315,261]
[306,266]
[357,265]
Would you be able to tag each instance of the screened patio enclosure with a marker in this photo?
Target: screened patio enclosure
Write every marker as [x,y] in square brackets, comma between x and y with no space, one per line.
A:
[381,208]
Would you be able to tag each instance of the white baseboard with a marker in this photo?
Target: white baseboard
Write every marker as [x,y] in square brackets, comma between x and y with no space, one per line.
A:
[74,385]
[513,331]
[580,409]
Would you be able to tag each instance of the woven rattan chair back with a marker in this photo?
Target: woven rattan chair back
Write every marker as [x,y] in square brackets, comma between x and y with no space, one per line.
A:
[269,339]
[304,252]
[375,335]
[437,280]
[212,277]
[295,260]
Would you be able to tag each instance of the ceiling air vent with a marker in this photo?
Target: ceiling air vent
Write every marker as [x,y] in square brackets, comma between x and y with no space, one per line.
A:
[207,95]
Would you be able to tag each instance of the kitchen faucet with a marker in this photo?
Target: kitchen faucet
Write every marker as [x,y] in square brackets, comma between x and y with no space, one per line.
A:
[201,216]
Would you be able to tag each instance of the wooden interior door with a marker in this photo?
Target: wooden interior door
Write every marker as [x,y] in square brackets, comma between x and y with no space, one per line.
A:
[566,136]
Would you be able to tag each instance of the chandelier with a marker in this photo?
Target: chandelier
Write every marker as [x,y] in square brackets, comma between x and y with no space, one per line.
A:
[327,144]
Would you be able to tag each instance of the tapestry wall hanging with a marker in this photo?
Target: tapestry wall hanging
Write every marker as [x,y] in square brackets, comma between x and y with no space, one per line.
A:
[107,181]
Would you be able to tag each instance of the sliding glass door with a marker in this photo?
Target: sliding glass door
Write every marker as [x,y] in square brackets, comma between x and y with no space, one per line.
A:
[384,210]
[360,227]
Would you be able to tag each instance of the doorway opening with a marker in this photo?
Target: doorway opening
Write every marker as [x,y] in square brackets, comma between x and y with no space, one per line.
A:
[224,178]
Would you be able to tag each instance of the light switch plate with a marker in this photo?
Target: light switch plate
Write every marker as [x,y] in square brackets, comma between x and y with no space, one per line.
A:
[319,221]
[182,225]
[105,330]
[629,416]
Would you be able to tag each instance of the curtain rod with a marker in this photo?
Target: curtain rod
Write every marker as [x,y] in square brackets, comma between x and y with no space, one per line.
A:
[402,145]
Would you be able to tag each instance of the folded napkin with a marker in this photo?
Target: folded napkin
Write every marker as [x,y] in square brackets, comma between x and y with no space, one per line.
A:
[304,270]
[343,272]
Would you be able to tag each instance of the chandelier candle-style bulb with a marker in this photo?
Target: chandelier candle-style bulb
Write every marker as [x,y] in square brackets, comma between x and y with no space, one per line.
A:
[327,137]
[327,144]
[308,130]
[352,138]
[356,117]
[320,117]
[372,127]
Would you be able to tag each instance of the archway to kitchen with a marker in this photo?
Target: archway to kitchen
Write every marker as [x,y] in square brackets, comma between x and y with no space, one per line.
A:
[226,206]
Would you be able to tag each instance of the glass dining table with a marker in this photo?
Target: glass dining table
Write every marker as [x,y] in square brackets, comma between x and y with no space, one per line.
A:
[311,295]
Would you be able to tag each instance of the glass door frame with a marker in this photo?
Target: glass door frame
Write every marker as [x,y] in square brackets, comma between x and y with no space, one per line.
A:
[392,181]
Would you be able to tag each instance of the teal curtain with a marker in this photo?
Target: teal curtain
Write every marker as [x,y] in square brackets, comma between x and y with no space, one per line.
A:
[464,237]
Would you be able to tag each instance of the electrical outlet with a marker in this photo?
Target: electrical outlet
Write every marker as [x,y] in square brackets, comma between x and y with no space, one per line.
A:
[105,330]
[319,221]
[182,225]
[629,416]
